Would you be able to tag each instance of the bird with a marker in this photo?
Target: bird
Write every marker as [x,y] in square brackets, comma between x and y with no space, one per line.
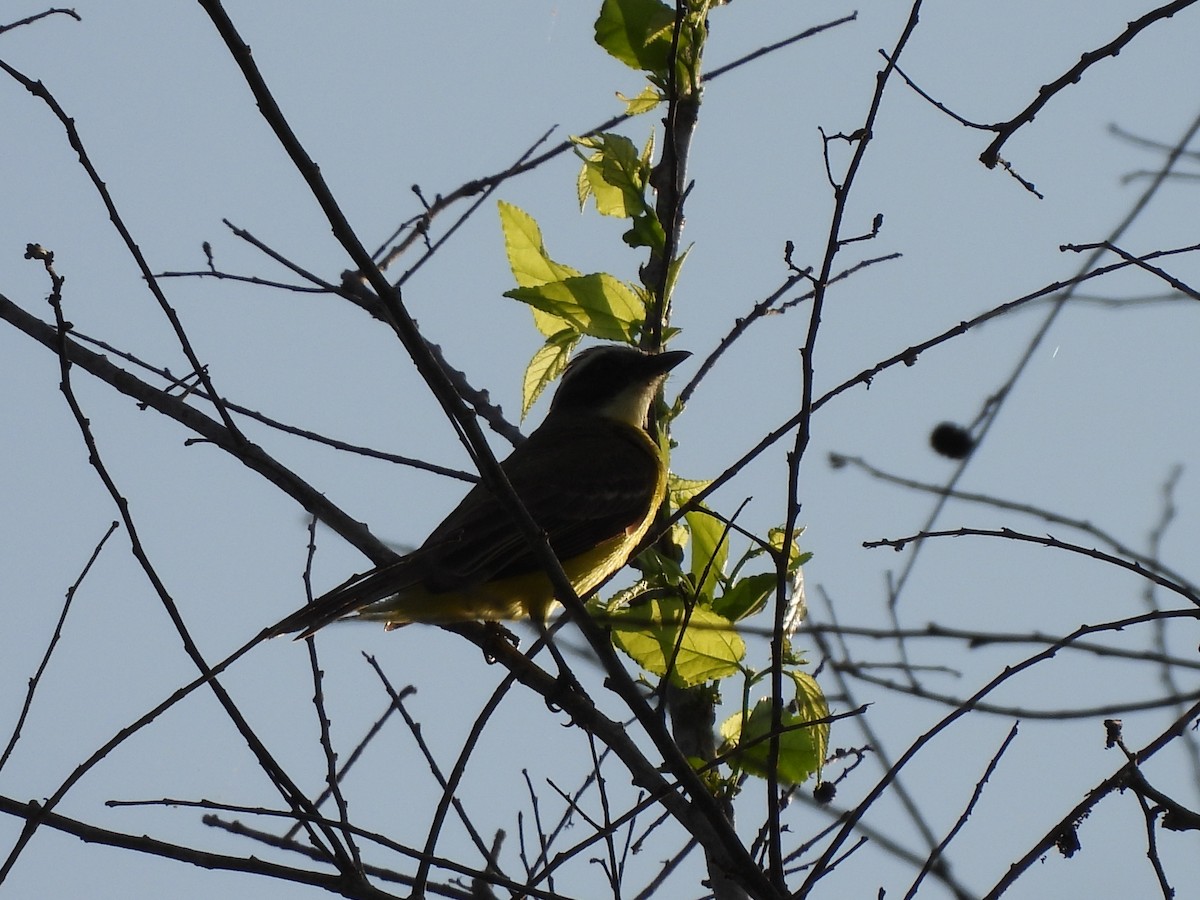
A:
[590,476]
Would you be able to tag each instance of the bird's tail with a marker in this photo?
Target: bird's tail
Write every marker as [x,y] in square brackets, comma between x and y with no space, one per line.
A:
[344,600]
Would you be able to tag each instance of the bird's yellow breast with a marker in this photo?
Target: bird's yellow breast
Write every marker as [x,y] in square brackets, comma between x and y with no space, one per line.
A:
[530,593]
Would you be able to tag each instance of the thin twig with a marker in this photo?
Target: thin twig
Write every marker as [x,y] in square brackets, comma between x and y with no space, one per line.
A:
[279,778]
[1065,828]
[332,782]
[396,699]
[1149,560]
[28,20]
[1046,541]
[995,402]
[1005,130]
[40,91]
[36,678]
[822,866]
[835,242]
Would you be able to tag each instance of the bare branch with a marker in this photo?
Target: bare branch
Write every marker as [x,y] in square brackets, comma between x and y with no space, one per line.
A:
[62,618]
[1005,130]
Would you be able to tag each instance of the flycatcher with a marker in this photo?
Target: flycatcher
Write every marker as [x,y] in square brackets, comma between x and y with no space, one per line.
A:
[589,475]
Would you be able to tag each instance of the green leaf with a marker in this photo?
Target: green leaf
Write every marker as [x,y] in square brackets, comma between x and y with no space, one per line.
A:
[811,705]
[795,557]
[598,305]
[547,364]
[637,32]
[746,597]
[647,231]
[802,748]
[681,490]
[648,632]
[614,200]
[660,568]
[530,263]
[615,175]
[527,257]
[710,549]
[674,269]
[600,608]
[583,186]
[644,102]
[679,537]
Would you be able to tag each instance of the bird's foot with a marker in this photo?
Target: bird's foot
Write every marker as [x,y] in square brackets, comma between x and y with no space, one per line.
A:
[566,686]
[494,634]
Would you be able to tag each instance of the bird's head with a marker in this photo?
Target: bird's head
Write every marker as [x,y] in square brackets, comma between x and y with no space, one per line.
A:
[615,381]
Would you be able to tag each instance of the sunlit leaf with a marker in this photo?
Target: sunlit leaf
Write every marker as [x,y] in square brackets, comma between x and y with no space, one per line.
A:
[675,268]
[637,32]
[530,263]
[746,597]
[598,305]
[709,549]
[646,231]
[600,607]
[802,747]
[795,557]
[644,102]
[527,257]
[614,175]
[547,364]
[681,490]
[710,648]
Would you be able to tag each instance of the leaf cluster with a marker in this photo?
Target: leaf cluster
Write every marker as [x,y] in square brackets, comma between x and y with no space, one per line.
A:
[680,621]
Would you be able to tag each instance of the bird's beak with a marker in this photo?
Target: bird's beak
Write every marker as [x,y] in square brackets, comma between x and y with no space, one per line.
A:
[664,362]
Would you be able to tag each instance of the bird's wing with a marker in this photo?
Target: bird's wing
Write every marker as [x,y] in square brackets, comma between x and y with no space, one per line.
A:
[583,481]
